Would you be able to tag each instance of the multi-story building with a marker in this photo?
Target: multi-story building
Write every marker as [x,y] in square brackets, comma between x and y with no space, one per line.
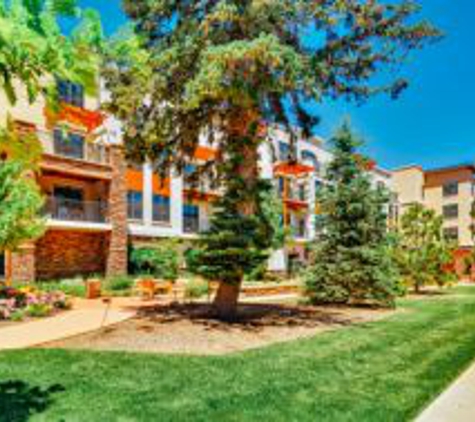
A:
[449,191]
[83,180]
[97,205]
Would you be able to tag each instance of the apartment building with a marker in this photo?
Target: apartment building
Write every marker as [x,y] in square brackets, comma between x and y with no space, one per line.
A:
[97,204]
[449,191]
[83,180]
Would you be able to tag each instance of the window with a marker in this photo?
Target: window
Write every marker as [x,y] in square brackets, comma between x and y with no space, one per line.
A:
[450,189]
[135,205]
[191,218]
[70,145]
[310,157]
[161,208]
[70,93]
[284,151]
[450,211]
[451,233]
[302,193]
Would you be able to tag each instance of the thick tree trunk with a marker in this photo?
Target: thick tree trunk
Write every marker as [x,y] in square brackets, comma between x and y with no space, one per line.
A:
[226,301]
[245,146]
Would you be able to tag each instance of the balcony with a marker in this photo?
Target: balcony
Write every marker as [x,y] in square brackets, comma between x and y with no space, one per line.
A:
[73,146]
[74,211]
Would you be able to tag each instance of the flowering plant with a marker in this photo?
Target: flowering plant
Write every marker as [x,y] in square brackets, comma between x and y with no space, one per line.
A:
[29,301]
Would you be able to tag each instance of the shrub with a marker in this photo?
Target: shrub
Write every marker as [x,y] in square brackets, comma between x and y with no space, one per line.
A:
[196,288]
[119,284]
[161,261]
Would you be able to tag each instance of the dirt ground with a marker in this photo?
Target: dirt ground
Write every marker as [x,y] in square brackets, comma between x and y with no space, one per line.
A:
[190,329]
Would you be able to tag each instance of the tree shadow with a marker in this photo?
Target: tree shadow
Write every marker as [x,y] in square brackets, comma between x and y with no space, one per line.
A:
[19,400]
[250,316]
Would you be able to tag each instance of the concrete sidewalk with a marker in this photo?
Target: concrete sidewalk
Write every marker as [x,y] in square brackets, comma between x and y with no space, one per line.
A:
[457,404]
[82,319]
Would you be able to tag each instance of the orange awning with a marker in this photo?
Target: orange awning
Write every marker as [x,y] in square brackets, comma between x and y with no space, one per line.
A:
[134,180]
[292,169]
[88,119]
[205,153]
[161,186]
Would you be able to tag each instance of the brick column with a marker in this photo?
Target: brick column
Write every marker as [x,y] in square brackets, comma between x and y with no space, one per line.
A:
[21,265]
[117,254]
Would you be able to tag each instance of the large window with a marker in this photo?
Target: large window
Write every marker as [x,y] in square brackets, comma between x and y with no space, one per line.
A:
[69,144]
[135,205]
[451,211]
[191,218]
[161,209]
[70,93]
[450,189]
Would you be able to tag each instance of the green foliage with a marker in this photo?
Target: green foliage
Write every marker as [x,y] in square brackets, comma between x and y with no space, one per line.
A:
[21,205]
[200,64]
[422,252]
[196,288]
[162,260]
[24,148]
[119,284]
[236,243]
[32,46]
[351,260]
[72,287]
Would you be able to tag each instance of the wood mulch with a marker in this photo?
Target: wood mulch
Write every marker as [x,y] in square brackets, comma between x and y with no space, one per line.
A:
[191,328]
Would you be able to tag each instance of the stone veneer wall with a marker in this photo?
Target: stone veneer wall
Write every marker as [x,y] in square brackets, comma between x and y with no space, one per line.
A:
[117,252]
[21,264]
[61,254]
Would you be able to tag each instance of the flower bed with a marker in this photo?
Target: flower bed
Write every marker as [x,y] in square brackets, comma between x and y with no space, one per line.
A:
[17,304]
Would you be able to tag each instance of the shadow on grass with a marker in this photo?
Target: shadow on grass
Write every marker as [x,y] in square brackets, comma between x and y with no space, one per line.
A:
[19,400]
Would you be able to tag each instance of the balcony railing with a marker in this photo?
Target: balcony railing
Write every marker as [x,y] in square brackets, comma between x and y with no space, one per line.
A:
[69,210]
[92,152]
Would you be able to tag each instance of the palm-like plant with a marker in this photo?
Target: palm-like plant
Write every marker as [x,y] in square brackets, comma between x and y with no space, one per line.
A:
[33,46]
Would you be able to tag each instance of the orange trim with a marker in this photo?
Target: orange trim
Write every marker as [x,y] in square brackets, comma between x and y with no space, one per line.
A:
[292,169]
[205,153]
[161,186]
[200,196]
[134,180]
[88,119]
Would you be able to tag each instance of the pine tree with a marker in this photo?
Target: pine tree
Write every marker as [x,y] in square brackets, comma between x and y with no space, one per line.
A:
[221,68]
[351,262]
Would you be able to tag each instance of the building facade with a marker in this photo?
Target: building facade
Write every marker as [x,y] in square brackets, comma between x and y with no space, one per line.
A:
[97,204]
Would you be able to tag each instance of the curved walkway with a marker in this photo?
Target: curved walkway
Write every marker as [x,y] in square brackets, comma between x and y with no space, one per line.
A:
[85,316]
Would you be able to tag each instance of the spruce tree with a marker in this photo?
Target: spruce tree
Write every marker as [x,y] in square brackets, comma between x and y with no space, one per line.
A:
[351,261]
[219,68]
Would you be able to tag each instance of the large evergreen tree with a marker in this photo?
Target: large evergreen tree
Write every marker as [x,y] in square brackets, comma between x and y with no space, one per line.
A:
[220,68]
[351,260]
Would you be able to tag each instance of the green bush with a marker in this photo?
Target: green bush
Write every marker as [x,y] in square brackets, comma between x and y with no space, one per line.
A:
[161,260]
[38,310]
[196,288]
[72,287]
[119,284]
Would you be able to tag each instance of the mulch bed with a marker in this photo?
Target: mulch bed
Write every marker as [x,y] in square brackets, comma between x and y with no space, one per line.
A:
[192,328]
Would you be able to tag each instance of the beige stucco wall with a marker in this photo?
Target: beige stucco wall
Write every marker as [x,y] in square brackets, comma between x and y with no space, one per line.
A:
[408,183]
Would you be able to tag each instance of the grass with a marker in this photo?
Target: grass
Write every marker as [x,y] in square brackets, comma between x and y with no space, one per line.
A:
[381,371]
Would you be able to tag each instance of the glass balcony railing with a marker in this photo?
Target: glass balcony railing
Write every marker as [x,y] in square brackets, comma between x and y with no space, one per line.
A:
[75,147]
[70,210]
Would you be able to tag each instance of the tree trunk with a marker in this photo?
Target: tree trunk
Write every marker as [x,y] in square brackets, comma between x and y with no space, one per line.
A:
[244,155]
[226,301]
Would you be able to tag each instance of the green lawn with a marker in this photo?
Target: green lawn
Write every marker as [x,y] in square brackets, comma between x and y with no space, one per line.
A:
[383,371]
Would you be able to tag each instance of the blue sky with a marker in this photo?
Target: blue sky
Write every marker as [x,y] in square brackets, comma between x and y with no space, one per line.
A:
[433,123]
